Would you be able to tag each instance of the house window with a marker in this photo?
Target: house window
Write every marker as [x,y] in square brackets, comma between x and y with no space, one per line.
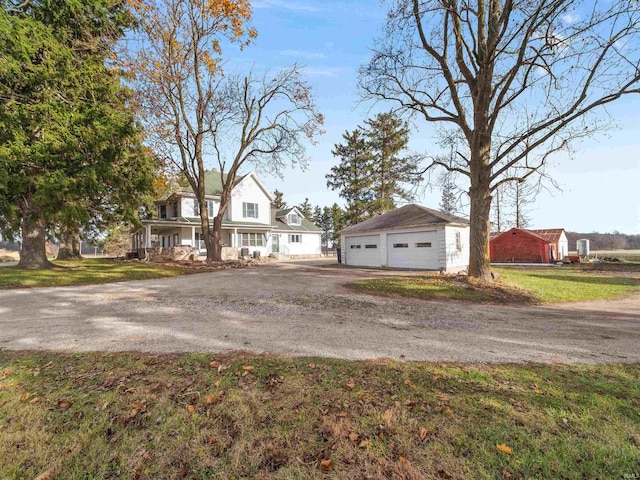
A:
[355,246]
[163,212]
[371,246]
[400,245]
[458,241]
[175,209]
[423,244]
[210,205]
[252,240]
[295,238]
[294,219]
[249,210]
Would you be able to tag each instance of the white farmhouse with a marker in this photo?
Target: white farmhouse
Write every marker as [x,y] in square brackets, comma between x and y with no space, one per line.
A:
[251,221]
[412,236]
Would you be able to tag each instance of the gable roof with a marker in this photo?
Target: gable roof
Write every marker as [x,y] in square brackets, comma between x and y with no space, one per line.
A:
[287,211]
[551,234]
[409,216]
[213,185]
[305,226]
[531,233]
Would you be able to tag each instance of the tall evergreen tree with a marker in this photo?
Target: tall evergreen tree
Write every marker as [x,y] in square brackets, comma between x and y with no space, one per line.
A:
[338,220]
[449,201]
[325,222]
[352,176]
[306,209]
[70,151]
[279,202]
[393,170]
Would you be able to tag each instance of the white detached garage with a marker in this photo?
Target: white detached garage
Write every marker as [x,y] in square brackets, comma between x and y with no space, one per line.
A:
[408,237]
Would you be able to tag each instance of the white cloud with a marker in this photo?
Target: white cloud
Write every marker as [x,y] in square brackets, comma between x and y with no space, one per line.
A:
[302,54]
[570,18]
[294,6]
[332,72]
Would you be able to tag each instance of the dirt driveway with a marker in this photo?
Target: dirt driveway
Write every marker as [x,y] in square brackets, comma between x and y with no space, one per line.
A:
[301,309]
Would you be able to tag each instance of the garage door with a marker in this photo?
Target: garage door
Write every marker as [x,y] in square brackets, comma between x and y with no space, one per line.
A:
[412,250]
[363,251]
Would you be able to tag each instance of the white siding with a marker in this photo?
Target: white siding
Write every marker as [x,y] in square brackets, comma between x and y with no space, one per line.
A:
[249,191]
[310,245]
[456,259]
[187,206]
[563,246]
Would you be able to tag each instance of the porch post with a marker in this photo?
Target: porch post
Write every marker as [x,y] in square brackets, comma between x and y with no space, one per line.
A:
[193,237]
[147,235]
[234,240]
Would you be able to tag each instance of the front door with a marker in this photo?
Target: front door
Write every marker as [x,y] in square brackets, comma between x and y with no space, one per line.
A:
[275,243]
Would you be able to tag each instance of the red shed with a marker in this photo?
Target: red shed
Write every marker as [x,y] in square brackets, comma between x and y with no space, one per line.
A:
[520,246]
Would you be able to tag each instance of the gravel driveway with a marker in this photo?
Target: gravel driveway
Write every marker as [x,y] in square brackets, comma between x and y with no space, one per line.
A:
[301,309]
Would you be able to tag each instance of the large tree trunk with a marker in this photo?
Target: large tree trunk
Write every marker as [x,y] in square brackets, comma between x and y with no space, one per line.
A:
[70,247]
[480,208]
[33,249]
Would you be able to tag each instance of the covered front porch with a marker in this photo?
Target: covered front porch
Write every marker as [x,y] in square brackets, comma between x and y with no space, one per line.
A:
[167,234]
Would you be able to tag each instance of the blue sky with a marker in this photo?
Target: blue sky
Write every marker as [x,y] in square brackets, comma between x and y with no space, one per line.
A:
[600,186]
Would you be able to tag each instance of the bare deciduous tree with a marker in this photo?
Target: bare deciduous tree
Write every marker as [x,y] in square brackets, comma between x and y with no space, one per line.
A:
[197,117]
[518,79]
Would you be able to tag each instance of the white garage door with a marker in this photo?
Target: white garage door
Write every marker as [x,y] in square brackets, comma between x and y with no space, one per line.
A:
[413,250]
[362,251]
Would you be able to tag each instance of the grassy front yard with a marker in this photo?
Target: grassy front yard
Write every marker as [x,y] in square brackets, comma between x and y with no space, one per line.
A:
[136,416]
[86,271]
[515,285]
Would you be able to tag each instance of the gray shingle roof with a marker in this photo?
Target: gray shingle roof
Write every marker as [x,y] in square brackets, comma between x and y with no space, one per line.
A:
[409,216]
[305,226]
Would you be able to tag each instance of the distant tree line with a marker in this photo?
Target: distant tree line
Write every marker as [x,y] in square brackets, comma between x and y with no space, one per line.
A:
[605,241]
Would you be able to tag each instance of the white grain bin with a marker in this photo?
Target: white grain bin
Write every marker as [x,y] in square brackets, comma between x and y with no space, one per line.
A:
[582,246]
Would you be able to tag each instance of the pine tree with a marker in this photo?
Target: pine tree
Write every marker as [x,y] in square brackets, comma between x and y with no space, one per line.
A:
[338,222]
[306,209]
[325,222]
[393,170]
[279,202]
[449,200]
[352,176]
[70,148]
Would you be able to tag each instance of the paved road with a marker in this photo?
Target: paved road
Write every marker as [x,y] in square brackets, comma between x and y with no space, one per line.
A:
[302,309]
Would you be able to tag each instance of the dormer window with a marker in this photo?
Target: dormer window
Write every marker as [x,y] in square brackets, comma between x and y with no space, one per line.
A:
[293,219]
[162,211]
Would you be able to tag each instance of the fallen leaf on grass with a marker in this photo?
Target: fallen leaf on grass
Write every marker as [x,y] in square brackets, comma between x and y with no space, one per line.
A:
[34,400]
[503,448]
[409,383]
[49,474]
[403,460]
[25,396]
[214,364]
[364,443]
[353,436]
[342,414]
[191,408]
[538,391]
[326,465]
[217,384]
[423,433]
[64,404]
[247,367]
[351,383]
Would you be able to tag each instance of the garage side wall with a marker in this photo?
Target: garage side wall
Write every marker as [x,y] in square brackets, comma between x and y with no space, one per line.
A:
[456,249]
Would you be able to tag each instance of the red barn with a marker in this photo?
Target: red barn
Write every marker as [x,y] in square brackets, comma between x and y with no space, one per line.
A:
[528,246]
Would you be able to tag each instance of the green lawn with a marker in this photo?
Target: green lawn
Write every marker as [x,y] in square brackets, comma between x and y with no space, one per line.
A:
[567,284]
[86,271]
[136,416]
[515,285]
